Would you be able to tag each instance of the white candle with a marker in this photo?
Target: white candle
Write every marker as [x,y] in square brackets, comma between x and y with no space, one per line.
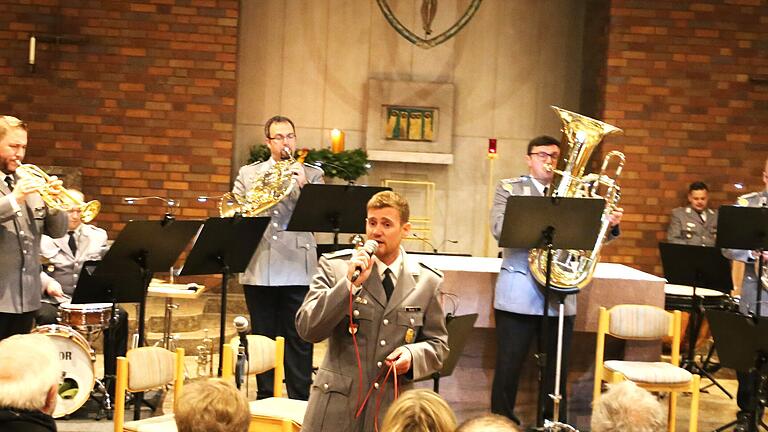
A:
[32,41]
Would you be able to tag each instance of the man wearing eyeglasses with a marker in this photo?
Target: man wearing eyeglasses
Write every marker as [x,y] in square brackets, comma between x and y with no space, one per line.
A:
[519,299]
[277,278]
[24,217]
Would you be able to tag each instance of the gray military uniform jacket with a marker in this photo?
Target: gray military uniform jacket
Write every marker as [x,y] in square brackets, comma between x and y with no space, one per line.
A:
[750,283]
[64,266]
[20,285]
[517,291]
[282,257]
[687,227]
[414,308]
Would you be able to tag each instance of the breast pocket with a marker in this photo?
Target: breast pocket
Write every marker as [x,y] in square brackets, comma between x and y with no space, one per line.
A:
[410,319]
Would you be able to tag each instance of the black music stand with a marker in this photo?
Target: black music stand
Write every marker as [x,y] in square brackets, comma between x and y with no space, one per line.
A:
[226,246]
[459,330]
[745,353]
[745,228]
[332,208]
[551,223]
[697,267]
[146,247]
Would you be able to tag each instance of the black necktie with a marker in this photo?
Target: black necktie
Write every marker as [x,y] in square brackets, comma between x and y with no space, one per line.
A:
[546,189]
[389,286]
[9,182]
[72,243]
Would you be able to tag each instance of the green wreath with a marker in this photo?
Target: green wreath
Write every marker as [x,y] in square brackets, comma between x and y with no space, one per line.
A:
[347,165]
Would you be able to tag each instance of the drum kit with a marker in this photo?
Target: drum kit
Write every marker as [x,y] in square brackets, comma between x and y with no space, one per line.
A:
[80,325]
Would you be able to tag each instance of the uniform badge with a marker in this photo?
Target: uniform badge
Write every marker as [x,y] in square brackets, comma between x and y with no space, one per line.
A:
[361,300]
[410,335]
[353,328]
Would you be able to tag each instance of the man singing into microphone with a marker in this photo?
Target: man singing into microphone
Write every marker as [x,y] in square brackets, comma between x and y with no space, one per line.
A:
[381,314]
[277,277]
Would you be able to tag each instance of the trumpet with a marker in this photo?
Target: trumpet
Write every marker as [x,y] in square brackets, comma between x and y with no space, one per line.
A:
[63,200]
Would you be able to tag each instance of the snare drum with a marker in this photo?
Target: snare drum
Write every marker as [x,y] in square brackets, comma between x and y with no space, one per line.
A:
[91,317]
[679,297]
[77,360]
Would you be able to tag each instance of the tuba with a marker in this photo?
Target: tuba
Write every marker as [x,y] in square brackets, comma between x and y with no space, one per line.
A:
[267,190]
[573,269]
[63,200]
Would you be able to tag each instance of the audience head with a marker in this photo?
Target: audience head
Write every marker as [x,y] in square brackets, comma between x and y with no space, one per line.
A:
[419,410]
[488,423]
[626,407]
[24,387]
[212,406]
[698,195]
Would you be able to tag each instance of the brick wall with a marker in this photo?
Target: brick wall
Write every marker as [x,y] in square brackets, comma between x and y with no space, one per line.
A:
[140,96]
[686,80]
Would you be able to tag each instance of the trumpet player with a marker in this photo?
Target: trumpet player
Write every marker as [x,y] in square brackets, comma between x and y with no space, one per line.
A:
[24,217]
[277,277]
[747,394]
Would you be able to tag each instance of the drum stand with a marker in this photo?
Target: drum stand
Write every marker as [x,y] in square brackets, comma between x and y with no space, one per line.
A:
[689,363]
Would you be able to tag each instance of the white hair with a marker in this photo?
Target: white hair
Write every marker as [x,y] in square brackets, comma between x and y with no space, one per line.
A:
[29,367]
[626,407]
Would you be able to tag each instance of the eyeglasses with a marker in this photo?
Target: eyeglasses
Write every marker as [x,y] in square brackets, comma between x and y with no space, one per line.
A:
[544,155]
[281,138]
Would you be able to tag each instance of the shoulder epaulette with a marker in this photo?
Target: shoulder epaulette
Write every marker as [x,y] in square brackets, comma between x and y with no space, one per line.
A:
[744,199]
[514,179]
[338,254]
[313,167]
[433,270]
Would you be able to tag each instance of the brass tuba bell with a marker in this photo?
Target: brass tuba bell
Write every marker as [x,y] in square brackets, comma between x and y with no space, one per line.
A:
[63,200]
[574,268]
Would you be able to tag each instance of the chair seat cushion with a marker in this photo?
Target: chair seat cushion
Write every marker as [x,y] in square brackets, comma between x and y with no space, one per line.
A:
[282,408]
[164,423]
[650,372]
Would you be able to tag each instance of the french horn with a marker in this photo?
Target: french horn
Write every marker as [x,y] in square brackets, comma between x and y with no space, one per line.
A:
[266,191]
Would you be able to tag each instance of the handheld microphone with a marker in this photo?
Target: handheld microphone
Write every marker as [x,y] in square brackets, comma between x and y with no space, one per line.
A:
[241,325]
[370,248]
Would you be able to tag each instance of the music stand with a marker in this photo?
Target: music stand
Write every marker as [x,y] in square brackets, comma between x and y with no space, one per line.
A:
[226,246]
[551,223]
[459,330]
[745,228]
[146,247]
[744,353]
[332,208]
[697,267]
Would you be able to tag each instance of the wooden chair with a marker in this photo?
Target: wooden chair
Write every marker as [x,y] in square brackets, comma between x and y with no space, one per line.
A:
[275,414]
[643,322]
[145,369]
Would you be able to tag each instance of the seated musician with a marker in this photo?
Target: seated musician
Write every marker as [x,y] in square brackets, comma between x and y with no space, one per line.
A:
[65,257]
[694,224]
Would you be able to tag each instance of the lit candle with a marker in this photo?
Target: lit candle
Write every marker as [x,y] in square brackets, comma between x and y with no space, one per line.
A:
[32,42]
[337,141]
